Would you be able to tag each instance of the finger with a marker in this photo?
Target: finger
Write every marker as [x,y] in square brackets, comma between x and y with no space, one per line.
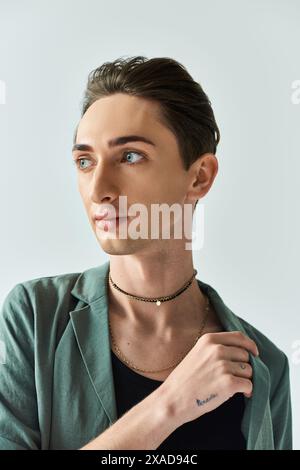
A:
[240,385]
[232,353]
[242,369]
[233,338]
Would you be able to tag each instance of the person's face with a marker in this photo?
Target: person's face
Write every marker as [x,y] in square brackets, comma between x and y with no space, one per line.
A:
[143,172]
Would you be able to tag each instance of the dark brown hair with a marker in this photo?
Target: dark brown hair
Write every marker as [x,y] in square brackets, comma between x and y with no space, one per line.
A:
[184,107]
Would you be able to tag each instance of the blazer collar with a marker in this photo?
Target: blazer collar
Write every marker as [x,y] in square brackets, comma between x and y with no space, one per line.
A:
[90,324]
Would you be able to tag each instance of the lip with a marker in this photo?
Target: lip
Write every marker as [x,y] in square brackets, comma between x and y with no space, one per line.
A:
[114,218]
[109,223]
[104,217]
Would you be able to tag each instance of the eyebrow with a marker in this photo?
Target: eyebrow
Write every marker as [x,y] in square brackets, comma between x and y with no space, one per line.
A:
[115,142]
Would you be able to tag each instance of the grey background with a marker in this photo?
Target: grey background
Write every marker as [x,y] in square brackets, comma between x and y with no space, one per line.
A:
[246,56]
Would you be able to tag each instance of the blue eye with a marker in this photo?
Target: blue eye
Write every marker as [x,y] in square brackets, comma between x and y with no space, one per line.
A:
[132,152]
[78,161]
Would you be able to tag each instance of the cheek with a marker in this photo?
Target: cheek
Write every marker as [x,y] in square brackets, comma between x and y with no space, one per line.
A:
[169,189]
[83,191]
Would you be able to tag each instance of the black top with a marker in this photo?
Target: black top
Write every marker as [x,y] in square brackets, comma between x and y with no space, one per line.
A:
[218,429]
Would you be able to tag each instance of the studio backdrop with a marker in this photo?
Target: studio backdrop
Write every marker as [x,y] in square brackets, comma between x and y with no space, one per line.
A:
[245,54]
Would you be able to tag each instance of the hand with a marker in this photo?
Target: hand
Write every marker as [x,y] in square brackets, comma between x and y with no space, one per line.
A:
[209,375]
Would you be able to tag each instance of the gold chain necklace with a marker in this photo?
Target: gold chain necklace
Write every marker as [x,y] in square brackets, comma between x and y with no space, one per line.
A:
[130,363]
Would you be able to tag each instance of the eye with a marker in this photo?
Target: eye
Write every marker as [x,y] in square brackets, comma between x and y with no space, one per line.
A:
[131,161]
[78,161]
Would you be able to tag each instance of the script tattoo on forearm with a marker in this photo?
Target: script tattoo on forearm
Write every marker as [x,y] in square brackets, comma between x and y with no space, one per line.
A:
[202,402]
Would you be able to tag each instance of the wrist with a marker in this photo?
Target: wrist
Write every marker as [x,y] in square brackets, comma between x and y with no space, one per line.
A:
[165,408]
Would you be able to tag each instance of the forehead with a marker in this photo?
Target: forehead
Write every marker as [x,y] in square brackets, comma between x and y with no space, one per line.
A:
[121,114]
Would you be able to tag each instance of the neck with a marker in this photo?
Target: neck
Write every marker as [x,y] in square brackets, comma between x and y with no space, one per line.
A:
[156,277]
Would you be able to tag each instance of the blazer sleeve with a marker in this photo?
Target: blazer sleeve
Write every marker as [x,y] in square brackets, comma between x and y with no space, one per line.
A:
[19,425]
[281,411]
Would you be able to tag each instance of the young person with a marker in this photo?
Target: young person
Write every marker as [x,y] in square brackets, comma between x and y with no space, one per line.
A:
[138,353]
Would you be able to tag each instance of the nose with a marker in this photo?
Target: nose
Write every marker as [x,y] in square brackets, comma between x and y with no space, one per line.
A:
[103,185]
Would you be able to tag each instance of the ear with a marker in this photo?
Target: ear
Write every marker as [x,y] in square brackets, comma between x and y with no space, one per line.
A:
[203,172]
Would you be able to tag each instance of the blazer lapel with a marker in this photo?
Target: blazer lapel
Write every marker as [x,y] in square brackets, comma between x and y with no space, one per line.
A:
[90,324]
[257,405]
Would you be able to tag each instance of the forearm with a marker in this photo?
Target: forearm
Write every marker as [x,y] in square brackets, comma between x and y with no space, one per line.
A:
[145,426]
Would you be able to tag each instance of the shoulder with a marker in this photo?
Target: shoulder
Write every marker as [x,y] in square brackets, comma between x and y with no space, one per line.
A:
[47,301]
[50,288]
[39,302]
[42,289]
[43,305]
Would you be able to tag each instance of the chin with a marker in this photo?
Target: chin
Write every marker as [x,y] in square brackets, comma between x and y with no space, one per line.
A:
[122,247]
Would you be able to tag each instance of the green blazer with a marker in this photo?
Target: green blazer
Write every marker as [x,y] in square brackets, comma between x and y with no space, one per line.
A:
[56,381]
